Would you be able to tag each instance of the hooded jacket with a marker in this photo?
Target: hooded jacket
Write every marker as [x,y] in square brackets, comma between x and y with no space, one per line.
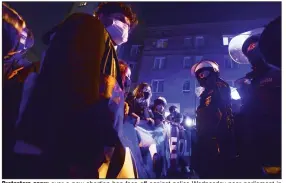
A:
[76,102]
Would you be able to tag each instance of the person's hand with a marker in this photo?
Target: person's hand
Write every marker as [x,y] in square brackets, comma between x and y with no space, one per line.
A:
[126,108]
[150,120]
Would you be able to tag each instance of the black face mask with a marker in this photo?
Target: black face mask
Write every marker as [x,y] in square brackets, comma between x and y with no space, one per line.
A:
[146,95]
[208,81]
[254,57]
[127,83]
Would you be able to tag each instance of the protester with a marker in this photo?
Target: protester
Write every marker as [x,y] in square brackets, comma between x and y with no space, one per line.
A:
[175,116]
[76,93]
[17,39]
[139,102]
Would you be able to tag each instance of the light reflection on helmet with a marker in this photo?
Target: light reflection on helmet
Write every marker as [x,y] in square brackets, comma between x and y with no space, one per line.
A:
[204,64]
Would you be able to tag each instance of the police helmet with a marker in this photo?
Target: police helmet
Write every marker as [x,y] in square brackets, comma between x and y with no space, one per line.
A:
[160,101]
[235,45]
[270,42]
[248,42]
[205,64]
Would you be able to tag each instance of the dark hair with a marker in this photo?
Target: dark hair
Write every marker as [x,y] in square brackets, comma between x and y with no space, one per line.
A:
[123,66]
[108,8]
[139,89]
[172,108]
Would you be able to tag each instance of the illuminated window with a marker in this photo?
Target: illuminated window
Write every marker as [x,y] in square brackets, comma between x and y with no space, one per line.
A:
[159,63]
[157,85]
[81,4]
[162,43]
[187,63]
[200,41]
[226,40]
[187,86]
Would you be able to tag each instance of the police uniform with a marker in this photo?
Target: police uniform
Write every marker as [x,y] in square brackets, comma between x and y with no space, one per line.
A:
[215,147]
[261,118]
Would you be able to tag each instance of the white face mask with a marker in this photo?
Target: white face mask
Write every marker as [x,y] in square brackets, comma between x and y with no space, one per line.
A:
[118,32]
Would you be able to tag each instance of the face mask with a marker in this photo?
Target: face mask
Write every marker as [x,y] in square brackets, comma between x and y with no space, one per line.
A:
[207,79]
[146,95]
[118,32]
[254,56]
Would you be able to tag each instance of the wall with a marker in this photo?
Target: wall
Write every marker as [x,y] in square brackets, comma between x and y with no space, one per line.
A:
[173,72]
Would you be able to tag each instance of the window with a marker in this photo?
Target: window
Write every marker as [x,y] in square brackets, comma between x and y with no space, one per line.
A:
[162,43]
[230,83]
[200,41]
[229,63]
[134,50]
[159,63]
[188,41]
[198,58]
[187,63]
[81,4]
[187,87]
[226,40]
[157,85]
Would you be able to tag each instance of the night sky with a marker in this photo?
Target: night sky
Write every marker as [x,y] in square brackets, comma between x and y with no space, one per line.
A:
[42,16]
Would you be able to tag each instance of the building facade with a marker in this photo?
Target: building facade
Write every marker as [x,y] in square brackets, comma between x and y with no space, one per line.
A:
[170,51]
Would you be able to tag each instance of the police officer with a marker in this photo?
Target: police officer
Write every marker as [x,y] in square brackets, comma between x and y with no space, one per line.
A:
[261,115]
[215,147]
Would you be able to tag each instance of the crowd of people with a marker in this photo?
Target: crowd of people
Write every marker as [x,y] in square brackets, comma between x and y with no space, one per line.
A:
[64,116]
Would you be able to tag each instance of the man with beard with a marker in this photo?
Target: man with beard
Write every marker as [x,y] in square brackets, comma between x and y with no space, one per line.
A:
[78,100]
[260,117]
[214,123]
